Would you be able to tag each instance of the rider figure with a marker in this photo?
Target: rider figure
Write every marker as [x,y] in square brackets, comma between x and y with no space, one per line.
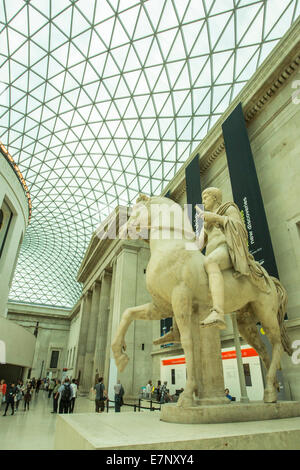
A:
[226,241]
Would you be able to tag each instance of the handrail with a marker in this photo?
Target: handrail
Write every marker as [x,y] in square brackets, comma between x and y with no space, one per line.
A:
[139,407]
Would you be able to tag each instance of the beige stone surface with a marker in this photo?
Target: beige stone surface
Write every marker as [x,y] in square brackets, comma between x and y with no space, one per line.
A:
[144,430]
[232,412]
[187,285]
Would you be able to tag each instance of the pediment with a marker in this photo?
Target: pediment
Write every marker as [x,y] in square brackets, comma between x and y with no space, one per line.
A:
[102,238]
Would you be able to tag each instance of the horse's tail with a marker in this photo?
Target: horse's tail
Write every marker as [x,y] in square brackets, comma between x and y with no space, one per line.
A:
[282,308]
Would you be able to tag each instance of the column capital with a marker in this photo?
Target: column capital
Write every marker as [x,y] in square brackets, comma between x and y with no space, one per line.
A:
[105,273]
[129,246]
[96,284]
[87,294]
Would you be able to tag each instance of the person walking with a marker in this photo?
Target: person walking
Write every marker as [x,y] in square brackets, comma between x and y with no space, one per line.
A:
[74,395]
[10,398]
[3,387]
[19,394]
[56,395]
[65,396]
[27,397]
[119,392]
[101,395]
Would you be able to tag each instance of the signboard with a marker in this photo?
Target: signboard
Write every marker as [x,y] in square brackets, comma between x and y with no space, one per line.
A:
[247,195]
[246,190]
[193,191]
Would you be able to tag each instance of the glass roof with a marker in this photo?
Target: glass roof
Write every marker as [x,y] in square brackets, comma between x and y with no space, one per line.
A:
[101,100]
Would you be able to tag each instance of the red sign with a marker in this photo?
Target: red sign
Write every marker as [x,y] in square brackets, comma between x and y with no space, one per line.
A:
[247,352]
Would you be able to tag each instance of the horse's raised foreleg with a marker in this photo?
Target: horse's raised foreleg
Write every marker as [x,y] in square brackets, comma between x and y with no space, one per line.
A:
[142,312]
[182,308]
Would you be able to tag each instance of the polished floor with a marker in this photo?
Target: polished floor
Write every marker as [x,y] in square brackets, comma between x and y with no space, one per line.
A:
[34,429]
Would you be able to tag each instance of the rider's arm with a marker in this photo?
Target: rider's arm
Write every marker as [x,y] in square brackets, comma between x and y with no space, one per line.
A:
[202,240]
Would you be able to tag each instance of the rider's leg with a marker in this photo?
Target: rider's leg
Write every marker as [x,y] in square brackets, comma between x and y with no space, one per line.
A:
[215,262]
[216,286]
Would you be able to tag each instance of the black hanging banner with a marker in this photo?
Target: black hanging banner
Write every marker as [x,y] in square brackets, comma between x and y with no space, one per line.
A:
[247,196]
[193,191]
[246,190]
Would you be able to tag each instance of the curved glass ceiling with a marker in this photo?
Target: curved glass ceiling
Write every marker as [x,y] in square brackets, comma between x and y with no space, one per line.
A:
[101,100]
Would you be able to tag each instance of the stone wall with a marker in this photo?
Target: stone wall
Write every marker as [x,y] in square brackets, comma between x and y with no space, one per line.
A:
[51,335]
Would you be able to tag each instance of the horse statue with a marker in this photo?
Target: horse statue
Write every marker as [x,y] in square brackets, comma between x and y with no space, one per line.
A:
[178,284]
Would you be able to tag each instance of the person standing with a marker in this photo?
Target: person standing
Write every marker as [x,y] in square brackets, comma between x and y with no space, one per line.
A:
[51,387]
[27,397]
[19,394]
[164,394]
[74,395]
[56,395]
[101,395]
[38,384]
[149,389]
[65,392]
[119,392]
[10,398]
[157,390]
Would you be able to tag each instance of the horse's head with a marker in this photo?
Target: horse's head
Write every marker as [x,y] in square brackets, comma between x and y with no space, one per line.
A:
[138,224]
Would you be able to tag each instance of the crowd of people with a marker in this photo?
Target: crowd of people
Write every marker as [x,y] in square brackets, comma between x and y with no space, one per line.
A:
[63,394]
[160,393]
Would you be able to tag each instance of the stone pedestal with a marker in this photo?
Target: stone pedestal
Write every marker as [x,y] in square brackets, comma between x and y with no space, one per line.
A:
[232,412]
[145,431]
[208,364]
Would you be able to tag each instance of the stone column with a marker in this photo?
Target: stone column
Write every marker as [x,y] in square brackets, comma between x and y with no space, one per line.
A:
[2,194]
[243,388]
[87,379]
[102,327]
[85,314]
[124,297]
[208,363]
[109,327]
[25,374]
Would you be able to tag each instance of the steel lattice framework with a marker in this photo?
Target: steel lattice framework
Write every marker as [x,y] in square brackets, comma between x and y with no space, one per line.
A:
[103,99]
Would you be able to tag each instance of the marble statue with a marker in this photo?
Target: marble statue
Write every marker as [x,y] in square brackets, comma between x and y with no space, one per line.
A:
[182,281]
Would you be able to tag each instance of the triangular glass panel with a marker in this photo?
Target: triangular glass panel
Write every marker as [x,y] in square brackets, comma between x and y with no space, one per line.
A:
[143,27]
[195,11]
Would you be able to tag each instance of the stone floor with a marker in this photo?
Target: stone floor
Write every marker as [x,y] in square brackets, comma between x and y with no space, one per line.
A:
[34,429]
